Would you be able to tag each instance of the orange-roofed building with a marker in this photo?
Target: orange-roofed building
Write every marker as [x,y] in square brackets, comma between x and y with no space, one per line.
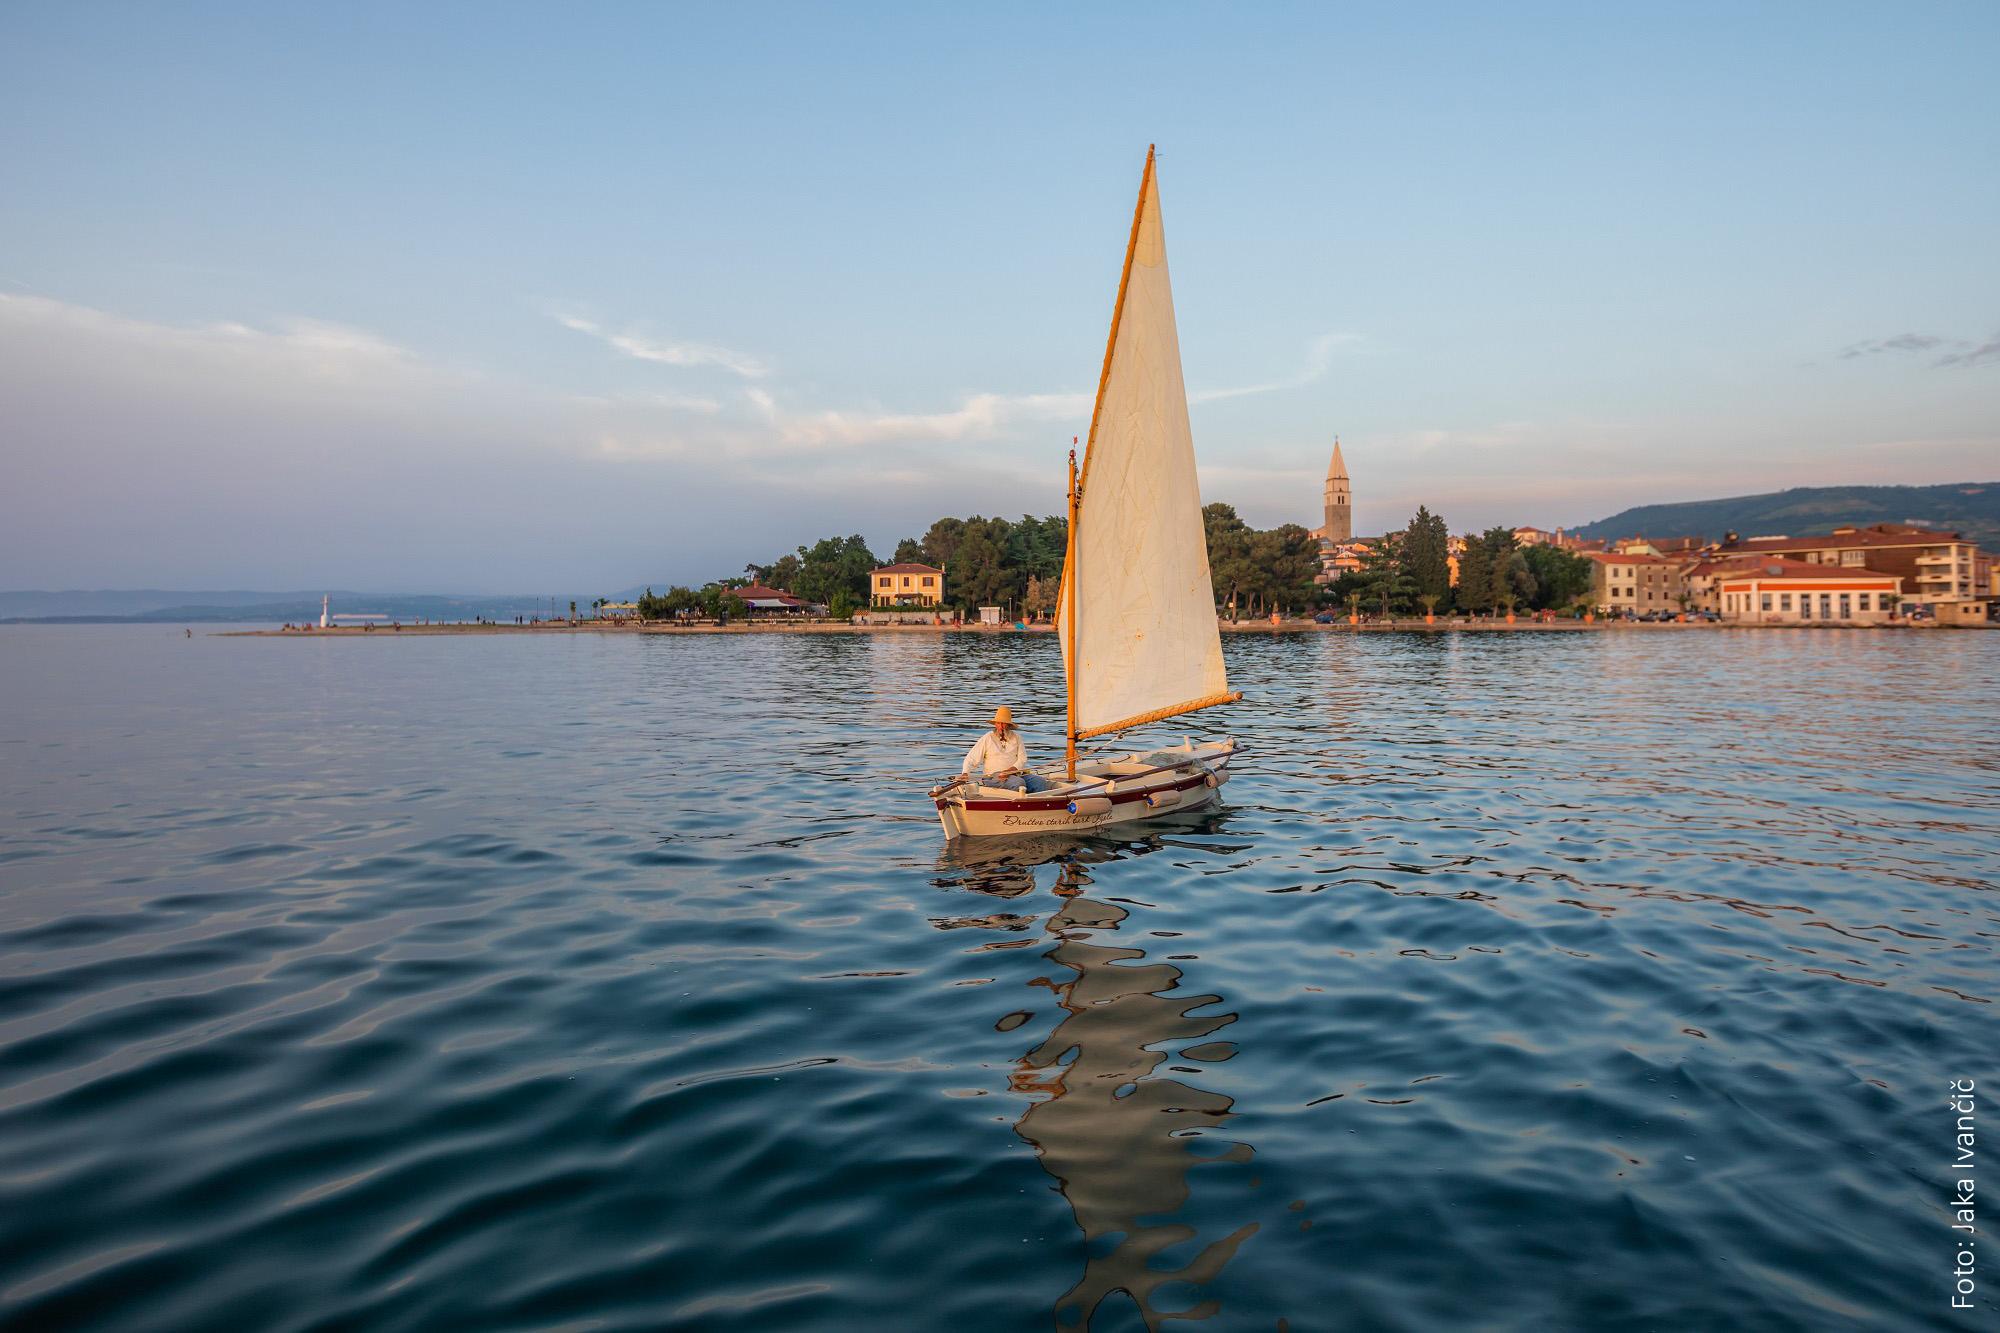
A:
[1775,590]
[906,584]
[771,601]
[1935,566]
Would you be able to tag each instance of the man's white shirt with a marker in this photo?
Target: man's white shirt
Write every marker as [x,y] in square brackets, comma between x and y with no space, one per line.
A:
[989,754]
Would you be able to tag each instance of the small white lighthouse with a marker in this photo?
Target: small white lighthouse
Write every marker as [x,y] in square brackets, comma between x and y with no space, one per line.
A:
[322,609]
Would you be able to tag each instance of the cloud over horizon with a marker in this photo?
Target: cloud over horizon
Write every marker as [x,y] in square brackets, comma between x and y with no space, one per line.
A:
[298,451]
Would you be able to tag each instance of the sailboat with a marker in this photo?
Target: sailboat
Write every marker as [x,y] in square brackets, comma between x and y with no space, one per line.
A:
[1136,612]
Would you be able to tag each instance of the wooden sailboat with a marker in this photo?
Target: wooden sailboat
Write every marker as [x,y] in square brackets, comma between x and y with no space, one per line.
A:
[1136,613]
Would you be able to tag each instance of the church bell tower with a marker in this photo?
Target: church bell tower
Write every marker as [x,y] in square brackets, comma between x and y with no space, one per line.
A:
[1339,510]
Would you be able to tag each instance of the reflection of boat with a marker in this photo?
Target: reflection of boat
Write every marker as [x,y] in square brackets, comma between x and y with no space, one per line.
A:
[1137,609]
[1119,1140]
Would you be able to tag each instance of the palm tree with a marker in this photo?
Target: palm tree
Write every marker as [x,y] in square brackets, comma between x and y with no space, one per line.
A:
[1353,606]
[1430,601]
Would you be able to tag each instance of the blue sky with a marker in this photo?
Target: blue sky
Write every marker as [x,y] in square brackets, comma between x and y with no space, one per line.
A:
[492,297]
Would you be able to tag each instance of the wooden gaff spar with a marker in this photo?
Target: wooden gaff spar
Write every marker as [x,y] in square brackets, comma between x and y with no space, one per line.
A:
[1136,613]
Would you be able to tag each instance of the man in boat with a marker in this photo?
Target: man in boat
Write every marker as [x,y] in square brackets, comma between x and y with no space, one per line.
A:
[1000,757]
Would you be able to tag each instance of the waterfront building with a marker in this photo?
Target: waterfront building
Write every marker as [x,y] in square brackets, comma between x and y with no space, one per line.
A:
[1775,590]
[906,584]
[772,601]
[1700,578]
[1935,566]
[1963,611]
[1533,536]
[1634,583]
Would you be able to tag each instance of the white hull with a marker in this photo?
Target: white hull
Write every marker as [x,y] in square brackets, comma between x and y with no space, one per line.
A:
[1118,790]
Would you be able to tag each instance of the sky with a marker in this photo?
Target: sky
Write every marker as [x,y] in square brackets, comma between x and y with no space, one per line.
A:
[567,298]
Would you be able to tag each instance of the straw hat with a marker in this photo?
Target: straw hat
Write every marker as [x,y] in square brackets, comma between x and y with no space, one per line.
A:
[1003,716]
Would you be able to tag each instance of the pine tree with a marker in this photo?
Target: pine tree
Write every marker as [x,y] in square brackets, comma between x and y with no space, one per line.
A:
[1426,554]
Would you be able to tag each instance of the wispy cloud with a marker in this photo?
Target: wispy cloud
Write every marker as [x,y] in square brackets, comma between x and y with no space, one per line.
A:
[315,350]
[981,416]
[641,348]
[1318,361]
[1986,353]
[1902,342]
[1959,351]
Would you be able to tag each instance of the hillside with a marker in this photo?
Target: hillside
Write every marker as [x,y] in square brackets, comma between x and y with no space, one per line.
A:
[1972,508]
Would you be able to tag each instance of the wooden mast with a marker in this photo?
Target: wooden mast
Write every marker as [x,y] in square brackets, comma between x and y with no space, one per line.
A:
[1069,611]
[1077,483]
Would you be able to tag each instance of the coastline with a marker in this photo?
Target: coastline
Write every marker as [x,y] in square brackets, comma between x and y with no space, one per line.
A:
[1260,627]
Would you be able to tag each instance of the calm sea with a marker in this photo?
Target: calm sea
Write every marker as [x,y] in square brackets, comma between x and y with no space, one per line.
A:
[1566,981]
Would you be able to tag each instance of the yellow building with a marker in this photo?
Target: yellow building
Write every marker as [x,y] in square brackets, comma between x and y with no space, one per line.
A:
[906,584]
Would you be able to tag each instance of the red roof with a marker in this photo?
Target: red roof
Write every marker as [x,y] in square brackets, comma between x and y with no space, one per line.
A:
[1777,566]
[1882,534]
[757,592]
[1609,558]
[906,567]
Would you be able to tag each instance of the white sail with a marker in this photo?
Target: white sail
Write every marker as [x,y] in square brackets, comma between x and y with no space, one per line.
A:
[1146,636]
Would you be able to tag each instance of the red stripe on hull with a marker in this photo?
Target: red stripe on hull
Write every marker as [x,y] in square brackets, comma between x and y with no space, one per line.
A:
[1062,802]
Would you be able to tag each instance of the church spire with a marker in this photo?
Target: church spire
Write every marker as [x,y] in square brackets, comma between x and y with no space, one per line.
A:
[1339,513]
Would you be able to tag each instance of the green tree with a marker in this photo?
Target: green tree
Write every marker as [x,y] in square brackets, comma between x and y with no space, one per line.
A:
[1515,582]
[1231,568]
[1499,546]
[1040,597]
[1426,555]
[908,551]
[1384,582]
[1286,559]
[1475,576]
[940,543]
[781,573]
[980,574]
[830,565]
[1560,576]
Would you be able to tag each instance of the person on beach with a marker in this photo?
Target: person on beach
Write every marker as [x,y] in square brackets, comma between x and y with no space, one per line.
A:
[1001,758]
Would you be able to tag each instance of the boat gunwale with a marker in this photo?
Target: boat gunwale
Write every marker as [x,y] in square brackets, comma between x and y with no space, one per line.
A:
[1002,805]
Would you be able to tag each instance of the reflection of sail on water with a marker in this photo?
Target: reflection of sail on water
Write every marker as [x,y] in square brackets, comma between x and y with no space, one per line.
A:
[1119,1141]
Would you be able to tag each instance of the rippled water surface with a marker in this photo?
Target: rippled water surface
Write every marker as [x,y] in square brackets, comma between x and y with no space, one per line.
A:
[1537,980]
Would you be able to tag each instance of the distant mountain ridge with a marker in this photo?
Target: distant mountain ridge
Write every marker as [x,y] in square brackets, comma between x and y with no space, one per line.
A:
[1968,507]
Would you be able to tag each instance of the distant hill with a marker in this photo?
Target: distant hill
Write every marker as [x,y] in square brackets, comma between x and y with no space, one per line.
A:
[1972,508]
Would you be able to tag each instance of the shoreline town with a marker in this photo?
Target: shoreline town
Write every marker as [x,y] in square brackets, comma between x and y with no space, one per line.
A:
[1880,575]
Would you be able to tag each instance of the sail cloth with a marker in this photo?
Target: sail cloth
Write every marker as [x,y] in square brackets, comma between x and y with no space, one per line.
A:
[1146,636]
